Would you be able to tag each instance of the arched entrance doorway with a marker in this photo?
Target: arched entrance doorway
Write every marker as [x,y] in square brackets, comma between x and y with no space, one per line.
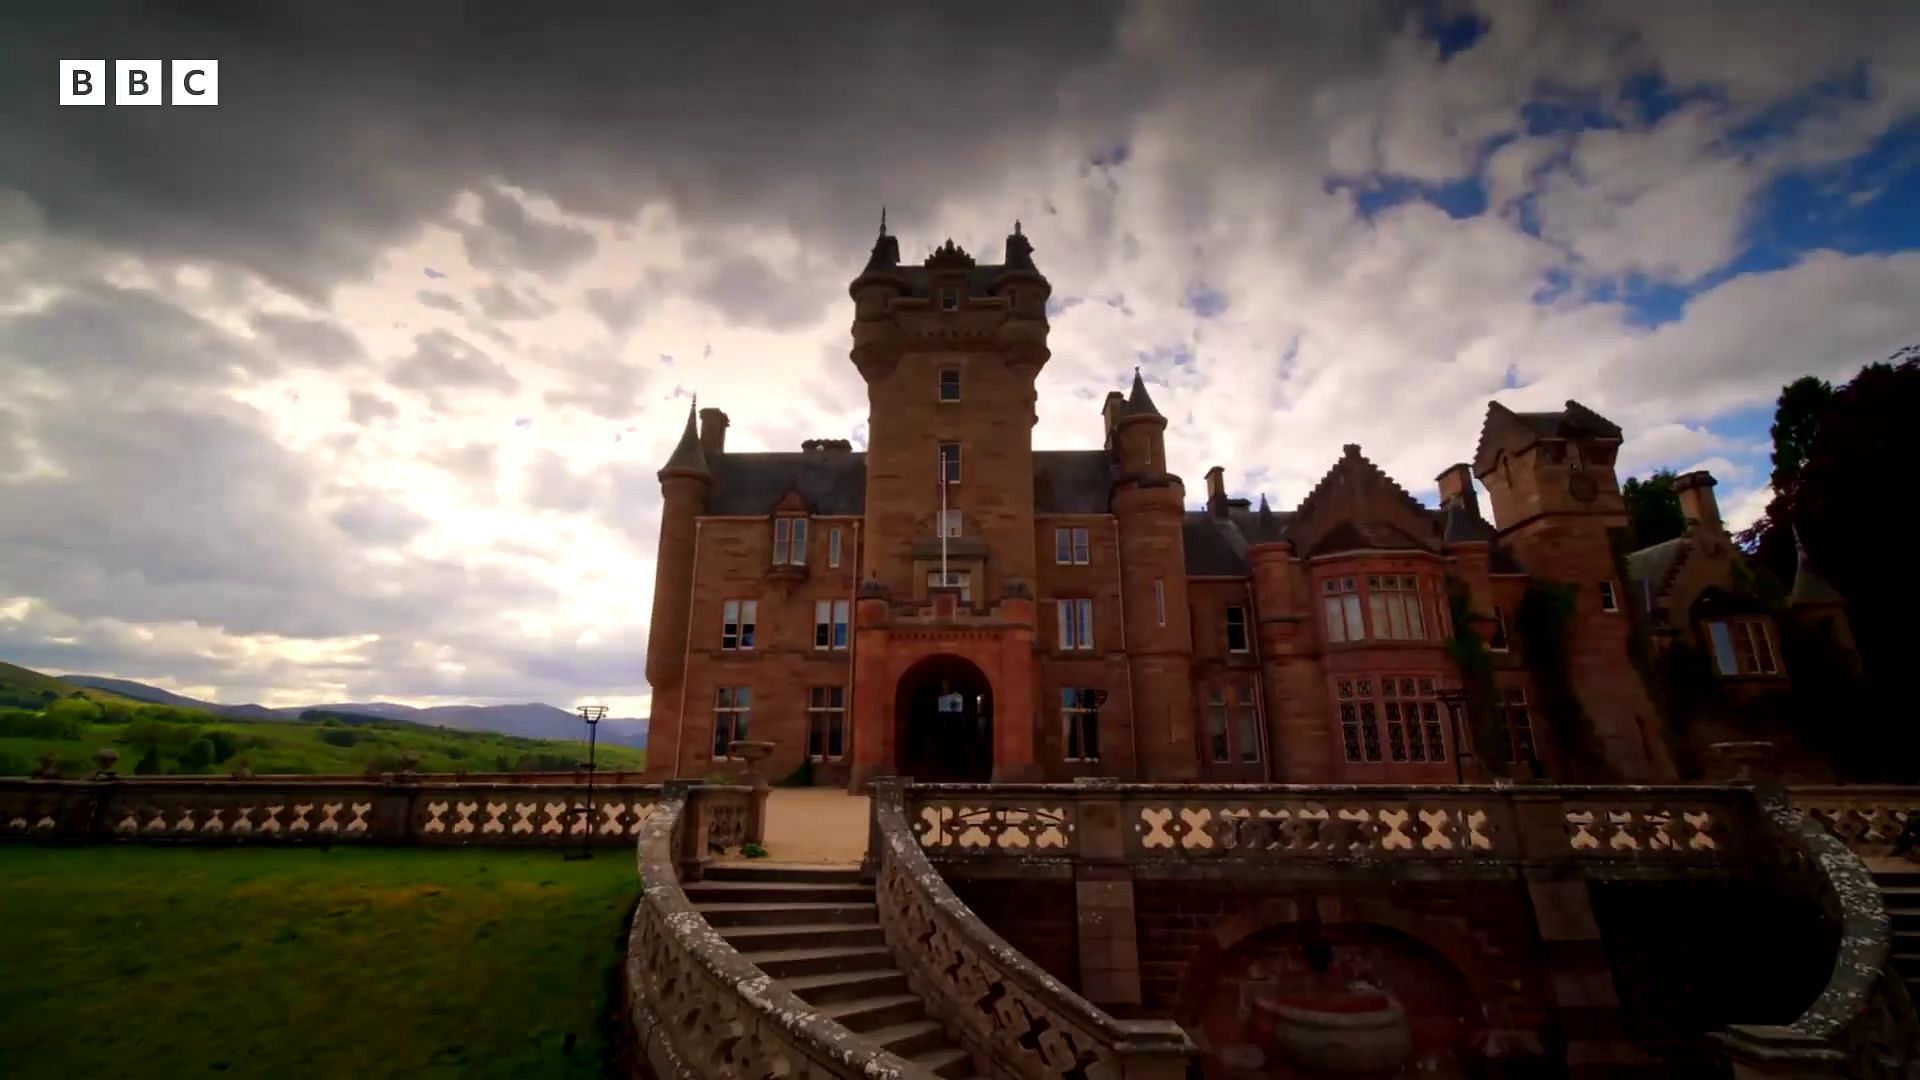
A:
[944,717]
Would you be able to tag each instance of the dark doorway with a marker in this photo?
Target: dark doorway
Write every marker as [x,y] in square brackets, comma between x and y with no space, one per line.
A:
[945,717]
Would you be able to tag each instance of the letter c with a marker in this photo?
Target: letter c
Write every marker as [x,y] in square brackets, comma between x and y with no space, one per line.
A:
[186,82]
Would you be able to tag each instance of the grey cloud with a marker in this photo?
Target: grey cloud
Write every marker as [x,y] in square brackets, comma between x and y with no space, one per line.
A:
[497,301]
[751,293]
[442,362]
[440,300]
[378,521]
[617,309]
[107,340]
[475,464]
[603,384]
[508,237]
[552,485]
[317,340]
[364,408]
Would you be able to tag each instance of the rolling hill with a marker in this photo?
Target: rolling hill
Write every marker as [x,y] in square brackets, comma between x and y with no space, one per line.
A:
[531,720]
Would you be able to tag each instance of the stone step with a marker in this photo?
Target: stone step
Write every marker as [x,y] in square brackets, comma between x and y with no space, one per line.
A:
[1897,879]
[868,1013]
[1904,919]
[909,1038]
[737,914]
[829,987]
[778,892]
[948,1061]
[1906,965]
[802,935]
[760,871]
[783,963]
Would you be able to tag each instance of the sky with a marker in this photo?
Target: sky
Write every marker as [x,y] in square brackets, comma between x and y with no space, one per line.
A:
[354,385]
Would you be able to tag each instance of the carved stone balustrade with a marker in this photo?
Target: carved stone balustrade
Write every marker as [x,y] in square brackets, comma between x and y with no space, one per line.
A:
[1002,1006]
[1280,830]
[699,1009]
[1868,818]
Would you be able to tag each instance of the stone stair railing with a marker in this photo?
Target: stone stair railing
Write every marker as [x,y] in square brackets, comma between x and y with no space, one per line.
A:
[1010,1014]
[701,1010]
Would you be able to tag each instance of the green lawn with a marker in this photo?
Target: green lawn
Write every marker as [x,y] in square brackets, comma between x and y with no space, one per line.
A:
[178,961]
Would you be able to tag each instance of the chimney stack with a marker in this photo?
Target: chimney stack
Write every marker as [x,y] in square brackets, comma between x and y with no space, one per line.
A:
[713,432]
[1457,483]
[1110,412]
[1697,503]
[1217,491]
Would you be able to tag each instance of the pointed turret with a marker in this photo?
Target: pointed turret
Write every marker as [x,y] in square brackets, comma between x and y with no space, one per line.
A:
[1138,402]
[1810,589]
[1019,250]
[687,456]
[885,257]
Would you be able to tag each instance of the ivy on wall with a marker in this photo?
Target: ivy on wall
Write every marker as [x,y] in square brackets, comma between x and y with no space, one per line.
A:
[1545,611]
[1491,740]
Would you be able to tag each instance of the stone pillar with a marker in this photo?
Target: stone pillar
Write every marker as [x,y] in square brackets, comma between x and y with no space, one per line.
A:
[1585,1002]
[871,725]
[1014,757]
[1103,900]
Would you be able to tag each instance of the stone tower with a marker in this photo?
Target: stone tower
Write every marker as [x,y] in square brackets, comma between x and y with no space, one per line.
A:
[949,351]
[685,481]
[1556,500]
[1150,505]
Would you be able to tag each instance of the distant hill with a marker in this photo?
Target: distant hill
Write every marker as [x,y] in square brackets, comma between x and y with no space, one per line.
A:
[531,720]
[13,677]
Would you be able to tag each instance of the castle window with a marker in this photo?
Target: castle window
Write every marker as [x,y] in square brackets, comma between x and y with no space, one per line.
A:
[789,541]
[950,462]
[1236,629]
[1513,713]
[1498,641]
[827,723]
[1397,612]
[1080,718]
[1076,623]
[1412,710]
[1608,600]
[1743,647]
[949,523]
[736,623]
[1070,547]
[949,384]
[732,705]
[1359,719]
[833,547]
[1160,601]
[949,299]
[1341,599]
[830,624]
[956,579]
[1233,725]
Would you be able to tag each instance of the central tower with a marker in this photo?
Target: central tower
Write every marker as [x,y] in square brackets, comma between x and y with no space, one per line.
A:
[949,350]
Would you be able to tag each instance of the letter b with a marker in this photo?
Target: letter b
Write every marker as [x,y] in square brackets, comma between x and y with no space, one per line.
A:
[139,81]
[83,82]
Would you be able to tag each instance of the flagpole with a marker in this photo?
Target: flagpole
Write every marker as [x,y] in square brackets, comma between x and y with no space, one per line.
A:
[944,580]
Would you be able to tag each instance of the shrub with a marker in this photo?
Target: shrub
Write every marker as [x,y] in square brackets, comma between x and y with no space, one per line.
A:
[149,763]
[339,736]
[198,756]
[14,765]
[22,724]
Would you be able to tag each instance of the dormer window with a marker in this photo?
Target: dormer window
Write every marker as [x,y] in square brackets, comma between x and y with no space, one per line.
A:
[949,384]
[1743,647]
[949,299]
[789,541]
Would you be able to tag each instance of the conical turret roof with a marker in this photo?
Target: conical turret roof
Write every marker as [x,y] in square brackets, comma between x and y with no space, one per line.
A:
[687,455]
[1138,402]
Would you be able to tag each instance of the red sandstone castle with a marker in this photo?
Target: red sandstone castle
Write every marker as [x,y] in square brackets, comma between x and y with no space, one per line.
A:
[954,604]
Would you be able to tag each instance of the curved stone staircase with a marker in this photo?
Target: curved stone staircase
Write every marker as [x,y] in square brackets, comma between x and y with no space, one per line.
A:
[816,931]
[1900,892]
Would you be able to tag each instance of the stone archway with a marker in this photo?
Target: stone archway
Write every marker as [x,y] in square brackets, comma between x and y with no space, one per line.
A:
[943,716]
[1228,996]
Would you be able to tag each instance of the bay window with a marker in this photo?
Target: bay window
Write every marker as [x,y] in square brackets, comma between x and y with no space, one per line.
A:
[1409,705]
[1340,598]
[789,541]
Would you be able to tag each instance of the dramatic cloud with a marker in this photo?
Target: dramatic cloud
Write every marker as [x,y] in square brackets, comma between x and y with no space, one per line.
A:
[356,383]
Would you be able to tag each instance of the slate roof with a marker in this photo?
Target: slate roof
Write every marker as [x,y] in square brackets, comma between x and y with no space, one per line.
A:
[1215,546]
[749,484]
[1657,563]
[1071,481]
[1366,536]
[1460,523]
[686,454]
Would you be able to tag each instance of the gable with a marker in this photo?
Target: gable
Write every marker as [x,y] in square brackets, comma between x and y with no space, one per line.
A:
[1356,493]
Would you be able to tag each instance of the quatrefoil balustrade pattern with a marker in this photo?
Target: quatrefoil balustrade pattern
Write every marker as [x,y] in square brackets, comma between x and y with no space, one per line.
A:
[1270,828]
[998,827]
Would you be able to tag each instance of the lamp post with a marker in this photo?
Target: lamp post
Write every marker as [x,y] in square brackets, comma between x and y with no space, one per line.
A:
[592,714]
[1454,700]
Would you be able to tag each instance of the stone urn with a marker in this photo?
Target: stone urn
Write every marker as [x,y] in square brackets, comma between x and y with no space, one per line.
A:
[106,757]
[753,753]
[1358,1032]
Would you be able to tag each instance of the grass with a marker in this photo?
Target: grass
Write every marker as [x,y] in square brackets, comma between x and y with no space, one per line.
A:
[174,961]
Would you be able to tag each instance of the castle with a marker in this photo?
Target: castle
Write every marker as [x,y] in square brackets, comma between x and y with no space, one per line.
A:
[953,604]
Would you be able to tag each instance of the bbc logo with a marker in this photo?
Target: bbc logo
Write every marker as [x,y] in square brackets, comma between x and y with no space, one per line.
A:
[140,82]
